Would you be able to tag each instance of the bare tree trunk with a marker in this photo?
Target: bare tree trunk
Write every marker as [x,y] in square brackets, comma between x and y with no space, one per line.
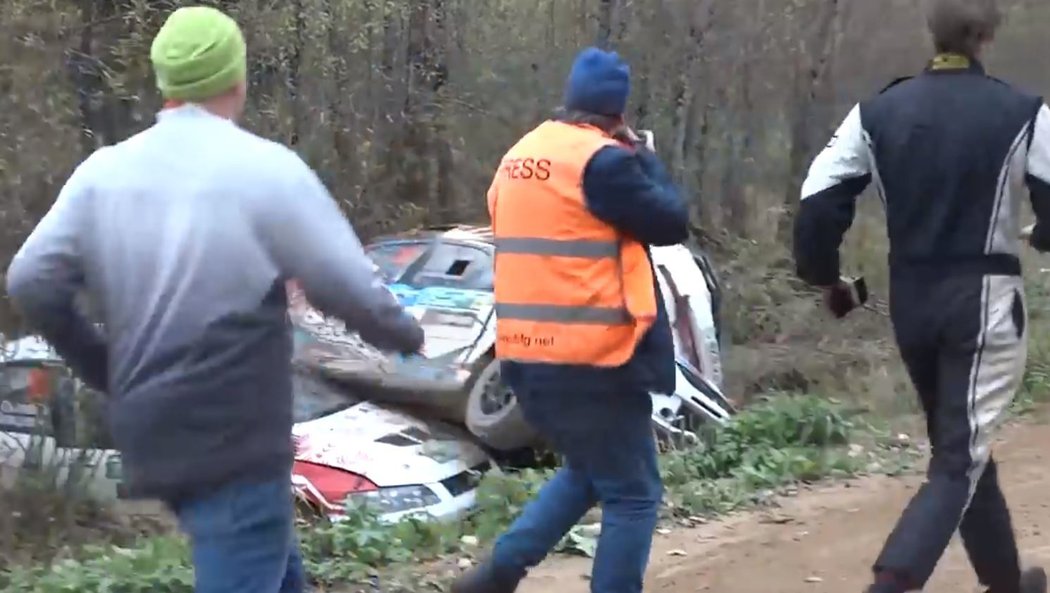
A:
[740,142]
[438,41]
[294,76]
[83,72]
[605,17]
[702,18]
[700,124]
[101,123]
[814,71]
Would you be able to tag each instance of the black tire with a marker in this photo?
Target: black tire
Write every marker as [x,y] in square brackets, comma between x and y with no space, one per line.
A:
[499,425]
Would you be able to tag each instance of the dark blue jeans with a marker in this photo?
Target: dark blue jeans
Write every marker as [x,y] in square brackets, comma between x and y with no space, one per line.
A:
[243,539]
[611,459]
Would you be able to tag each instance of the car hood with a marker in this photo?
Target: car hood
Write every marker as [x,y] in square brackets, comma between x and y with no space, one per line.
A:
[454,321]
[452,318]
[385,446]
[28,349]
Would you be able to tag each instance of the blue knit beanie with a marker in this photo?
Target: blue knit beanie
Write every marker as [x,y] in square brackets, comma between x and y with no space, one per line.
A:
[598,83]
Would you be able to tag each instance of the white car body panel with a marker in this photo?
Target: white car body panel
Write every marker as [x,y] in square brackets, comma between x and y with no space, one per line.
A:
[345,440]
[691,284]
[348,440]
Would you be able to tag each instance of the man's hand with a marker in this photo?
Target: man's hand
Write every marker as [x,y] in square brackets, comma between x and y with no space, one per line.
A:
[419,340]
[838,298]
[648,139]
[626,135]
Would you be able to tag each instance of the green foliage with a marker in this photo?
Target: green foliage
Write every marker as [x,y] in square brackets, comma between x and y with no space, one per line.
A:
[355,547]
[1035,384]
[776,442]
[501,498]
[156,565]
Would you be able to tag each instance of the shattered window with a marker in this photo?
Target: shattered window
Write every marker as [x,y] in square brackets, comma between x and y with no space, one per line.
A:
[455,266]
[394,258]
[448,264]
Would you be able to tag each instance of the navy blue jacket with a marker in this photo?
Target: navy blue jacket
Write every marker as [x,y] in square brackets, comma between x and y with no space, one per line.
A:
[633,193]
[945,151]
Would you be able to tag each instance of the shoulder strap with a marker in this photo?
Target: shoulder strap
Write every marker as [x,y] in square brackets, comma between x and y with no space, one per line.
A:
[895,82]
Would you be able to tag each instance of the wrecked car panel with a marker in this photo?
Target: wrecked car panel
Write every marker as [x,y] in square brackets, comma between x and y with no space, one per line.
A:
[455,322]
[38,431]
[346,448]
[443,277]
[363,452]
[391,448]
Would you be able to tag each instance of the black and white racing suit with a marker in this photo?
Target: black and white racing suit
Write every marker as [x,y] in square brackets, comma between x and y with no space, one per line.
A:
[950,152]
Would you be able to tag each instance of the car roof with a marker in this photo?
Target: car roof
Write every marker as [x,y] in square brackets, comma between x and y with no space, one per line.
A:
[453,232]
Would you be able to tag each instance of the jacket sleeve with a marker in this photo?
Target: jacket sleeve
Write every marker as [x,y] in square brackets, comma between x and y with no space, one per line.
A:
[633,193]
[1037,178]
[841,171]
[47,273]
[311,241]
[490,200]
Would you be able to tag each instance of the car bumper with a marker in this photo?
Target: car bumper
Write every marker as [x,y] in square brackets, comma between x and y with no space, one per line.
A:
[448,508]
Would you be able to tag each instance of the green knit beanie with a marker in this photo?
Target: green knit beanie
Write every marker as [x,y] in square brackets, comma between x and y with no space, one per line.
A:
[198,54]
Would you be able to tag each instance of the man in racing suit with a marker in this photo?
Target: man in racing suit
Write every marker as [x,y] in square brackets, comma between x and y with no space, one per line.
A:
[950,151]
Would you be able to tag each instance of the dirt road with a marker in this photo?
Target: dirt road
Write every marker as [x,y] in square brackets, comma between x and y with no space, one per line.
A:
[823,541]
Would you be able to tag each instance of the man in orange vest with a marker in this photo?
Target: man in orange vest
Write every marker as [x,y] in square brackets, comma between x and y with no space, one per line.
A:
[581,330]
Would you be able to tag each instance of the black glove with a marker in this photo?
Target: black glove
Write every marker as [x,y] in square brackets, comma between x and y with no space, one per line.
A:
[844,296]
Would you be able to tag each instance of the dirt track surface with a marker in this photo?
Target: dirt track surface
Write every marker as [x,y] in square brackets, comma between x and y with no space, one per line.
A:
[824,540]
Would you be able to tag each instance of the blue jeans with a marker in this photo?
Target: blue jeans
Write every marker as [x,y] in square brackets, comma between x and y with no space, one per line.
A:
[611,459]
[243,539]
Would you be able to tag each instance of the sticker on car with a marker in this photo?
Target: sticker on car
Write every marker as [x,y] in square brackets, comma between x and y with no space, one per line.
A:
[448,318]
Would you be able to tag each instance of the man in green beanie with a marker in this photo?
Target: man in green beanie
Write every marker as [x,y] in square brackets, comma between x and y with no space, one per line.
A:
[185,235]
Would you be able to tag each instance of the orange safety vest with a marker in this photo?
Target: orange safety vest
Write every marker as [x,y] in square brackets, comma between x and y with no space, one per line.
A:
[569,288]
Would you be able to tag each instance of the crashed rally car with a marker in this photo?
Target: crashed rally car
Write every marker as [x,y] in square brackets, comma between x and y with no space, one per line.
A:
[347,449]
[444,276]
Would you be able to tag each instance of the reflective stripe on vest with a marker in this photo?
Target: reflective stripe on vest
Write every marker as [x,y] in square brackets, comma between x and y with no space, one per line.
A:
[569,288]
[565,248]
[564,313]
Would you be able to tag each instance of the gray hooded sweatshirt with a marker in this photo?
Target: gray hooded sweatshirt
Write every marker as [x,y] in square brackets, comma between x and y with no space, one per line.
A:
[183,236]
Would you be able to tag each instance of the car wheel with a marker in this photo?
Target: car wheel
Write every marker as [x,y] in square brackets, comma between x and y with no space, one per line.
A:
[493,414]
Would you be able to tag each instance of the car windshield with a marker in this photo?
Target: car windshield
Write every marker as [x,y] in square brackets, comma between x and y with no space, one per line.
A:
[423,264]
[314,397]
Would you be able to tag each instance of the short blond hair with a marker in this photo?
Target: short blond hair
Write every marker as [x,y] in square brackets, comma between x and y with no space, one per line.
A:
[962,26]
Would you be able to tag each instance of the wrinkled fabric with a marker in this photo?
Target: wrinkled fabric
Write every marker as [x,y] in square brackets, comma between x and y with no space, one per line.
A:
[624,479]
[183,236]
[243,539]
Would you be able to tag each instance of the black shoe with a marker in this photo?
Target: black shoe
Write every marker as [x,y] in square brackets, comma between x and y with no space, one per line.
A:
[1033,580]
[480,579]
[880,588]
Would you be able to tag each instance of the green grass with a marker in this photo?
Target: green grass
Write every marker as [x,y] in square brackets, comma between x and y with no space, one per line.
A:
[776,443]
